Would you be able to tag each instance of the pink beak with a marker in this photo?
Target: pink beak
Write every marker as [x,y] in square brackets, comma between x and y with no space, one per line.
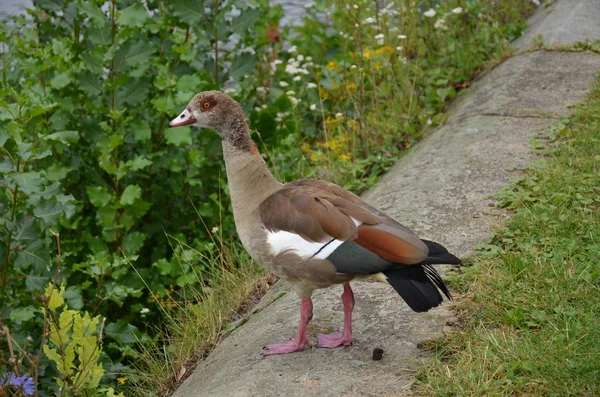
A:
[185,118]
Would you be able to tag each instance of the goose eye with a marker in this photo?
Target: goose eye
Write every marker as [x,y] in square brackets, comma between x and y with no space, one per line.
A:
[206,105]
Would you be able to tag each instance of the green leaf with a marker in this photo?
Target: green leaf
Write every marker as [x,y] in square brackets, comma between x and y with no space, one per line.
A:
[98,195]
[54,296]
[28,182]
[63,136]
[121,331]
[49,212]
[133,242]
[133,93]
[179,136]
[138,163]
[60,80]
[137,53]
[90,83]
[141,130]
[130,194]
[26,231]
[36,254]
[133,16]
[36,283]
[93,12]
[190,11]
[22,314]
[73,298]
[242,66]
[246,20]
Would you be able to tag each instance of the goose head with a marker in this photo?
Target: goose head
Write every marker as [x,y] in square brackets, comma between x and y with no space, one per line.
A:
[210,109]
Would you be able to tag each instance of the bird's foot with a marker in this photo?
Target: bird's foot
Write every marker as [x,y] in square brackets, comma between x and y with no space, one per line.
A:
[334,339]
[290,346]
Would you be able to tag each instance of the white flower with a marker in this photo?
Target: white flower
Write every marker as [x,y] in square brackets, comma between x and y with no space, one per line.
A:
[290,93]
[339,115]
[261,89]
[277,61]
[300,57]
[214,230]
[311,85]
[145,310]
[536,2]
[297,78]
[294,100]
[459,10]
[429,122]
[355,7]
[356,25]
[283,84]
[309,58]
[263,106]
[402,36]
[293,49]
[309,5]
[313,107]
[369,20]
[229,90]
[257,109]
[429,13]
[399,48]
[353,67]
[380,38]
[440,24]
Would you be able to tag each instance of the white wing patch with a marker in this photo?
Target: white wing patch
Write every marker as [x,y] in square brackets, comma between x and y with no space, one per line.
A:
[282,240]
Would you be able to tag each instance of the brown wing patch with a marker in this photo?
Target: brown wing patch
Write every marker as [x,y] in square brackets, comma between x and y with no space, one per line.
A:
[389,245]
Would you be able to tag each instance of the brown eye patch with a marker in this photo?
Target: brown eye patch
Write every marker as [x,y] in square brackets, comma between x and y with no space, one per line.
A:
[206,105]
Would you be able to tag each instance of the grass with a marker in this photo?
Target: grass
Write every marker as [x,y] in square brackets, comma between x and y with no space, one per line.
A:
[530,313]
[196,323]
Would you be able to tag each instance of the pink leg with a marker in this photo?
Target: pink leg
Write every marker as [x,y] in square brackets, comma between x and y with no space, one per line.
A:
[345,337]
[300,342]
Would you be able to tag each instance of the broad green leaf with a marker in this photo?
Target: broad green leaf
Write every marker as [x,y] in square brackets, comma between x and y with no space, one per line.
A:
[139,163]
[93,12]
[130,194]
[121,331]
[60,80]
[133,93]
[4,136]
[179,136]
[189,83]
[54,296]
[49,212]
[190,11]
[89,83]
[50,5]
[106,215]
[133,16]
[98,195]
[246,20]
[164,104]
[22,314]
[139,52]
[73,298]
[141,130]
[36,254]
[63,136]
[57,172]
[133,242]
[26,231]
[36,283]
[242,66]
[28,182]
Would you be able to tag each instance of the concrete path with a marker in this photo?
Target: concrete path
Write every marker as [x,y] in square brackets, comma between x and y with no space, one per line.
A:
[443,190]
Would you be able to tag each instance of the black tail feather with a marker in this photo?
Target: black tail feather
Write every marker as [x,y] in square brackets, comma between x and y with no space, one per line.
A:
[420,285]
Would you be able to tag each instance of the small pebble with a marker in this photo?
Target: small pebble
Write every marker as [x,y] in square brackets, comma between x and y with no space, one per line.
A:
[377,354]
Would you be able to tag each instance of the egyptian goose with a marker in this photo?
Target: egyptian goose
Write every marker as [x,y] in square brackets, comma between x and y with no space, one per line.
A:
[312,233]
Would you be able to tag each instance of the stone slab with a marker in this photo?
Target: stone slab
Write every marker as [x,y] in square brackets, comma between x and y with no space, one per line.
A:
[563,23]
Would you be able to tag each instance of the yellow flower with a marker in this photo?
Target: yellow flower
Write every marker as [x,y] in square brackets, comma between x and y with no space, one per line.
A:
[377,65]
[352,124]
[314,156]
[323,92]
[351,86]
[367,53]
[331,65]
[345,157]
[122,380]
[385,50]
[305,148]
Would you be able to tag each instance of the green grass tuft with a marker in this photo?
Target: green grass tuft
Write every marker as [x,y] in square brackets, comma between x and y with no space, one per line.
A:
[531,306]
